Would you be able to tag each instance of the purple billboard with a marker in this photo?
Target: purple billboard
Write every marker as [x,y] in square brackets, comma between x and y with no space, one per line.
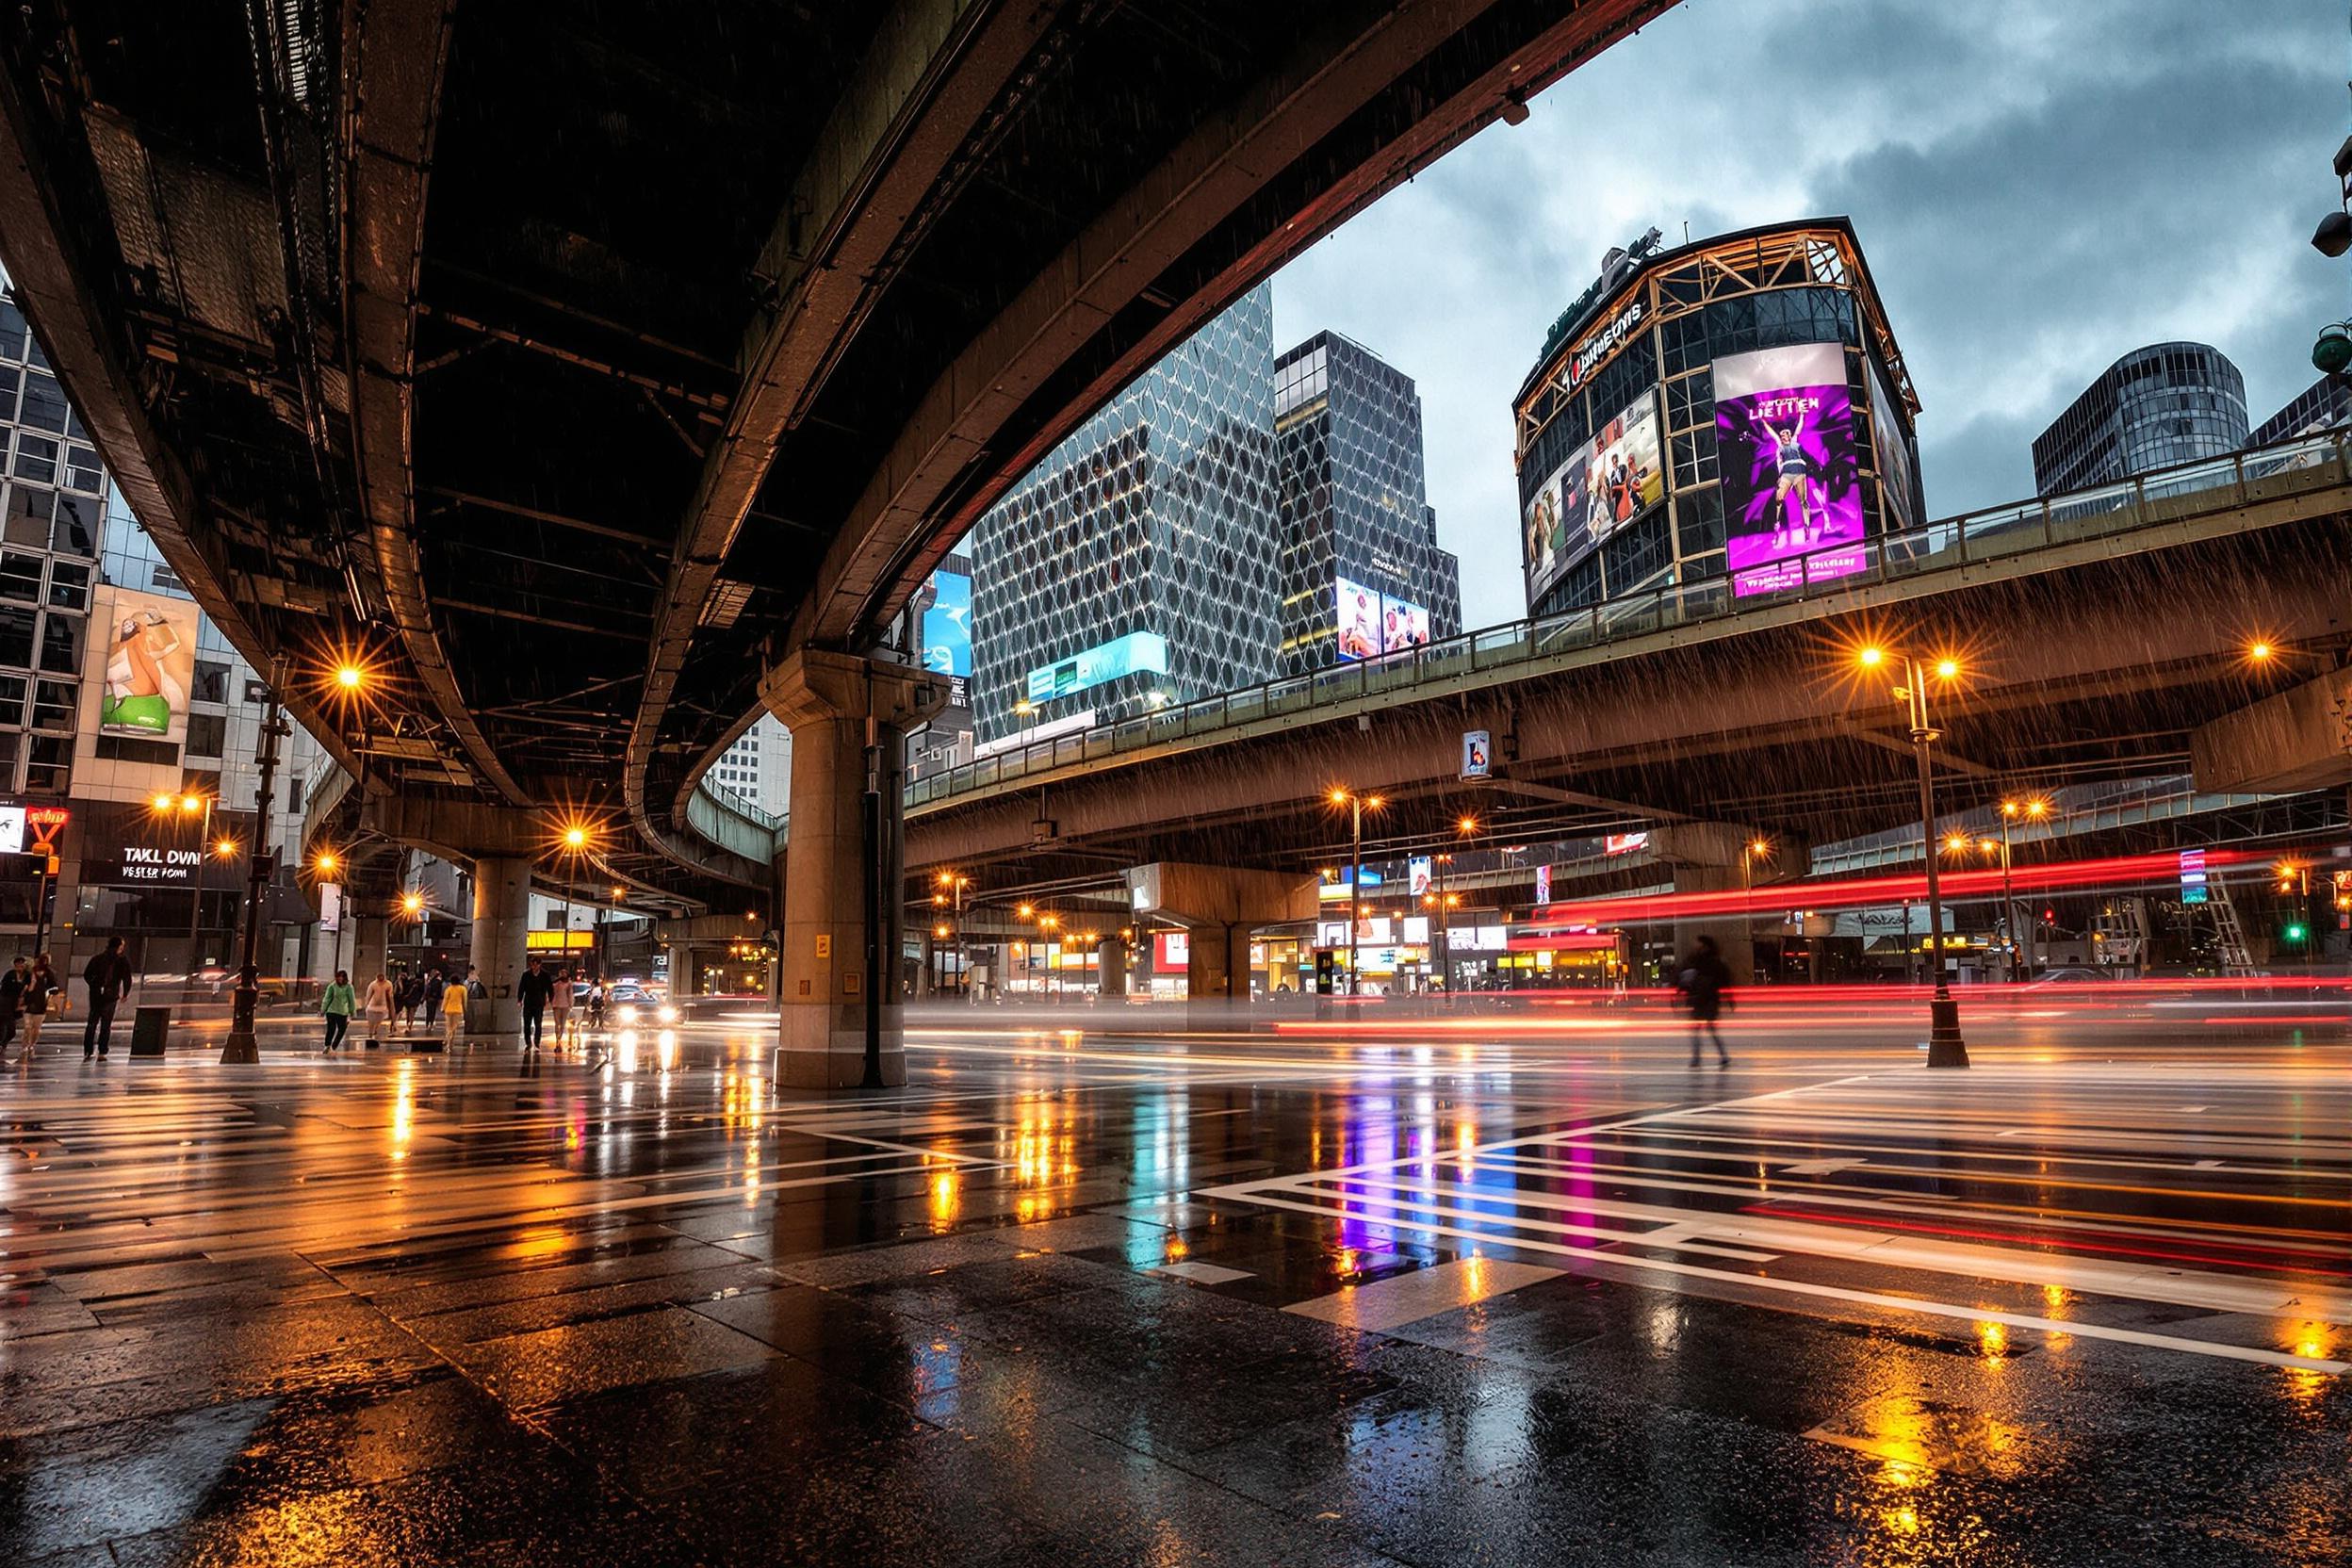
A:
[1793,488]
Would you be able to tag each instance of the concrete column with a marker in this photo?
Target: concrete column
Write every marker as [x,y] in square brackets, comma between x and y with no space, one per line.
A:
[362,949]
[1111,967]
[502,932]
[1219,907]
[843,900]
[1706,857]
[1215,987]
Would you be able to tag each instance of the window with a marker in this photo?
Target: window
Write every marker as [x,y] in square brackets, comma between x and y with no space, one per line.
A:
[206,733]
[51,763]
[69,585]
[12,333]
[54,703]
[78,526]
[212,681]
[81,469]
[293,797]
[44,404]
[61,644]
[30,509]
[36,458]
[20,576]
[16,637]
[12,688]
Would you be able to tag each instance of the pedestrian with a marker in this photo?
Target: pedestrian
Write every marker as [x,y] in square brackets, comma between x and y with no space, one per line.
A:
[595,1004]
[13,999]
[336,1005]
[531,991]
[41,993]
[453,999]
[435,983]
[559,1003]
[1705,983]
[408,993]
[108,979]
[474,987]
[379,1006]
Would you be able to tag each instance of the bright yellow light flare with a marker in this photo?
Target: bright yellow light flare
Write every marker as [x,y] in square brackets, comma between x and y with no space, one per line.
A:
[1871,657]
[225,848]
[1946,669]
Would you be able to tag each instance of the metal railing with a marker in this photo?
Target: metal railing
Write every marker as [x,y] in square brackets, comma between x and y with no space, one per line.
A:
[1829,575]
[2151,501]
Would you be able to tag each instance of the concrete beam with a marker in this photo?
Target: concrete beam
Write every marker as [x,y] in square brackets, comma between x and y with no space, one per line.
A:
[2295,741]
[456,829]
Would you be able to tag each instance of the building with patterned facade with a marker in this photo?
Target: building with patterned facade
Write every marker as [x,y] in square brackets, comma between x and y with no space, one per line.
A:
[2324,405]
[1360,551]
[1735,407]
[2166,403]
[1140,564]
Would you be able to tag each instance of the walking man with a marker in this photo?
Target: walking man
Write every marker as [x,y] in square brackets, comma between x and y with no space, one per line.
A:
[533,990]
[1703,982]
[108,977]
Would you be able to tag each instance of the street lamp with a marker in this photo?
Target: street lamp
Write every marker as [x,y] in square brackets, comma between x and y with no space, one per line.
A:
[186,806]
[573,841]
[1356,805]
[1750,852]
[2013,810]
[1945,1047]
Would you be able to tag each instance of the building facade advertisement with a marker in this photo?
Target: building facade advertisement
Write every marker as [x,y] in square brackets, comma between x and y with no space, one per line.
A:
[1170,951]
[1136,652]
[1355,616]
[12,829]
[1417,871]
[1793,493]
[1556,515]
[1403,626]
[1896,480]
[1626,477]
[150,644]
[947,625]
[1623,843]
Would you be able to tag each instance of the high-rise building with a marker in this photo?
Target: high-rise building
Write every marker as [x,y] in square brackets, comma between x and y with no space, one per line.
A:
[2324,405]
[2166,403]
[1736,406]
[1362,571]
[757,769]
[1140,563]
[939,627]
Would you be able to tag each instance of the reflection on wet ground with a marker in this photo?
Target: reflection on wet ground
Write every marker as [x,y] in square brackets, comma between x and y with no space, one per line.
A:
[1077,1299]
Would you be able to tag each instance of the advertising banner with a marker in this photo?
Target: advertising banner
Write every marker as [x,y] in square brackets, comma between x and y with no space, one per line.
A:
[1136,652]
[947,625]
[1478,754]
[1793,493]
[1895,479]
[1403,626]
[12,829]
[1623,843]
[330,905]
[1170,951]
[150,644]
[1626,477]
[1356,617]
[1542,884]
[1417,871]
[1552,512]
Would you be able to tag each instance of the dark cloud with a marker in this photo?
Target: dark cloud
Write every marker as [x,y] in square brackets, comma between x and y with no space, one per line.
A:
[2039,187]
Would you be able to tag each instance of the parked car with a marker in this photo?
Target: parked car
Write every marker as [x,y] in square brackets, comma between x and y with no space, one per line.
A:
[2070,974]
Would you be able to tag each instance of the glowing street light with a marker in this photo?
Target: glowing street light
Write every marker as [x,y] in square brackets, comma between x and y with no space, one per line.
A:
[1357,805]
[1945,1047]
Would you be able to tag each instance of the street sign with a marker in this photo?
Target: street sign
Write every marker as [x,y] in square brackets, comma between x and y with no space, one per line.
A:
[1478,754]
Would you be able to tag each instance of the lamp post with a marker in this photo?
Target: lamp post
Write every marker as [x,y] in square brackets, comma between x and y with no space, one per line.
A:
[952,900]
[187,805]
[240,1046]
[1750,852]
[1945,1047]
[2011,810]
[1356,805]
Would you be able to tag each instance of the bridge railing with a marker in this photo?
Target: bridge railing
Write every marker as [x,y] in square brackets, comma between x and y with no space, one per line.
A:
[734,823]
[2188,490]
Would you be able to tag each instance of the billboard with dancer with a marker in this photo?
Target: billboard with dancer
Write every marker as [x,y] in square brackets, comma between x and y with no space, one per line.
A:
[1793,493]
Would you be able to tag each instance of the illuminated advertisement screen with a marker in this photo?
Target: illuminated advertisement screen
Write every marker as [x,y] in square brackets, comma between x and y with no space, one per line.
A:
[1403,626]
[1624,478]
[1170,951]
[1129,655]
[1356,618]
[150,648]
[1792,490]
[947,625]
[1552,512]
[1894,457]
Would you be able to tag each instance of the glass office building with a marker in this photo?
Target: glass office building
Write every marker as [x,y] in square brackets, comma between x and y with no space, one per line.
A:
[2166,403]
[1733,407]
[1362,573]
[1140,563]
[2324,405]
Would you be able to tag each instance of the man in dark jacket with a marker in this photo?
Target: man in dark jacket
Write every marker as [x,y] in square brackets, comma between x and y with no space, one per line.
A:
[108,977]
[532,991]
[1704,980]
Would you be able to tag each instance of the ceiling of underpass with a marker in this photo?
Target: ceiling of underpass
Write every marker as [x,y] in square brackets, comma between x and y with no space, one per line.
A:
[432,330]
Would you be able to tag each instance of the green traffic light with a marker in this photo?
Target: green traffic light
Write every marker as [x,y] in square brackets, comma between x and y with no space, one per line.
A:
[2295,933]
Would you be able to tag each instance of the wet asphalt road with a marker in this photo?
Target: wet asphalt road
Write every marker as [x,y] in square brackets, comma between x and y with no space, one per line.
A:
[1432,1294]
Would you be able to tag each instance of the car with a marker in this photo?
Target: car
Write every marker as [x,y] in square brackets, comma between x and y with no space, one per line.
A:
[2070,974]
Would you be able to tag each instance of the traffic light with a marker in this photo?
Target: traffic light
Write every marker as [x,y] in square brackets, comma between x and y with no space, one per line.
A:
[2296,931]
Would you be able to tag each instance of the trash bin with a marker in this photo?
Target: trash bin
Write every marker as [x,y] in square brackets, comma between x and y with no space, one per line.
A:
[149,1025]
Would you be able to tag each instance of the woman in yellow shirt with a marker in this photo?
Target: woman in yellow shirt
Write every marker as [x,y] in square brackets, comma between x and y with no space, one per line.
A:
[452,1014]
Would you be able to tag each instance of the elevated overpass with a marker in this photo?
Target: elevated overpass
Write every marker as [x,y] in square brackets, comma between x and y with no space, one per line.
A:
[581,366]
[2101,633]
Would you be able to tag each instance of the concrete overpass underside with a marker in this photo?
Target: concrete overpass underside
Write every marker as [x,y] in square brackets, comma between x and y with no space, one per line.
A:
[2104,670]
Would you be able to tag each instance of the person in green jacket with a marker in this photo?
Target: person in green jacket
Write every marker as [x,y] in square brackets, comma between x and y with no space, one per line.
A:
[338,1003]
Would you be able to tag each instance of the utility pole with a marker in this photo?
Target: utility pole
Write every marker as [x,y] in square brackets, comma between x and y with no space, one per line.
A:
[260,863]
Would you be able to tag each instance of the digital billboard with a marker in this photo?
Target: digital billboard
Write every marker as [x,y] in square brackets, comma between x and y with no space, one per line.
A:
[1136,652]
[1625,477]
[1356,618]
[1403,626]
[947,625]
[150,647]
[1894,481]
[1792,490]
[1553,510]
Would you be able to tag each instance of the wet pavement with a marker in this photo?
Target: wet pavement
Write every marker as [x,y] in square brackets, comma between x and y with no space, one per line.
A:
[1463,1291]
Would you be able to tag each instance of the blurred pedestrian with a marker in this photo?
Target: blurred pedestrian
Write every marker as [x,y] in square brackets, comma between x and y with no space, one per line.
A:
[559,1003]
[533,990]
[1705,983]
[40,996]
[407,992]
[107,976]
[379,1005]
[453,999]
[13,999]
[436,983]
[595,1004]
[337,1003]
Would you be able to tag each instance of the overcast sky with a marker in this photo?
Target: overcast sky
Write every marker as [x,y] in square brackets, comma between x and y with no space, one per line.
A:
[2038,186]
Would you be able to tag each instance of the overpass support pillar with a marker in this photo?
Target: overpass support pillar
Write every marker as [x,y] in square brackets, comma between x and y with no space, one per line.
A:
[502,932]
[363,956]
[1218,906]
[844,1020]
[1110,967]
[1718,857]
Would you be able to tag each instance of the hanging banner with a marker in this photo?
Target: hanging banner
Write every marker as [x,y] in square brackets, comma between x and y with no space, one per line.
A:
[149,644]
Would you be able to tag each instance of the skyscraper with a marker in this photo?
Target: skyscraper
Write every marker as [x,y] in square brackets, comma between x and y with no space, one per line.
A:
[1140,563]
[1360,551]
[2323,406]
[2166,403]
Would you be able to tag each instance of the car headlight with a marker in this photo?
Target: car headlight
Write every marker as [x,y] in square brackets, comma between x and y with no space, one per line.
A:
[667,1015]
[628,1012]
